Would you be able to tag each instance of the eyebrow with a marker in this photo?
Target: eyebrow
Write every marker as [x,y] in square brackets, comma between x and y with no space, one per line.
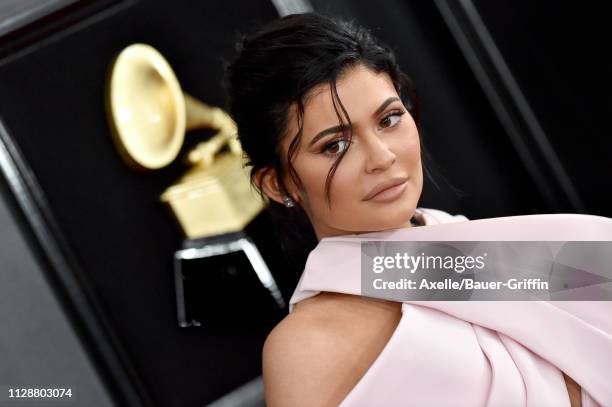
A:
[341,127]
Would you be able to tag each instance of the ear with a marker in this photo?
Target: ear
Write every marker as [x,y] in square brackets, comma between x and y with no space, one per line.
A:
[267,181]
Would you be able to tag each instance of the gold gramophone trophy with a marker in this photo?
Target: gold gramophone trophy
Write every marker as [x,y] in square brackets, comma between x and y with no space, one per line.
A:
[213,202]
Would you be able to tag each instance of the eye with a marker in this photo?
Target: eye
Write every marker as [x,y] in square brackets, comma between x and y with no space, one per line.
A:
[392,118]
[344,143]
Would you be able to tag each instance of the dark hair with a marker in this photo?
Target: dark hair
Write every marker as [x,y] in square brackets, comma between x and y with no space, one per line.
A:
[277,67]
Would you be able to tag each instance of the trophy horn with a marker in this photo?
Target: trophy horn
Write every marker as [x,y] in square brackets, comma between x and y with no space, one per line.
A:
[149,114]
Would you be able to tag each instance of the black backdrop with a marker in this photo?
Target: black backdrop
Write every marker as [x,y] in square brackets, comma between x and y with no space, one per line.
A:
[118,238]
[122,237]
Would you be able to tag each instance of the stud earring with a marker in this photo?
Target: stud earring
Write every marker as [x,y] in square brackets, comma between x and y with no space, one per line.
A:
[289,203]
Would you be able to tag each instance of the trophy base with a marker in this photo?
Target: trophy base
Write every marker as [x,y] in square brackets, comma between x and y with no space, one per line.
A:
[224,281]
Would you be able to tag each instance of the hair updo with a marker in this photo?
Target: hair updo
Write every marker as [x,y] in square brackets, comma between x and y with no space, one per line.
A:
[276,68]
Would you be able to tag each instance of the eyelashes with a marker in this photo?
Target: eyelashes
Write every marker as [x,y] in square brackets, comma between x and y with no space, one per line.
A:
[333,144]
[345,142]
[397,113]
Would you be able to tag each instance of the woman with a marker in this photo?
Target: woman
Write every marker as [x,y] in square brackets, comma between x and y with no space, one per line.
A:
[330,125]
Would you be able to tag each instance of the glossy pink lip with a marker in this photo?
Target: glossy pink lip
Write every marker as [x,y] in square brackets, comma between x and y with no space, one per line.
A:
[384,186]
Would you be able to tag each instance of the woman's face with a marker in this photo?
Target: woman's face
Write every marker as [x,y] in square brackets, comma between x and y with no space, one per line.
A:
[385,148]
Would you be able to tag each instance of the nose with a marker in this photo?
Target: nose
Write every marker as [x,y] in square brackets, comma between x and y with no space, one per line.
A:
[379,156]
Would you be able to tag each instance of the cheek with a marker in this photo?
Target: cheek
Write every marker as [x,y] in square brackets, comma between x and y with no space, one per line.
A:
[313,173]
[346,182]
[410,148]
[414,154]
[343,189]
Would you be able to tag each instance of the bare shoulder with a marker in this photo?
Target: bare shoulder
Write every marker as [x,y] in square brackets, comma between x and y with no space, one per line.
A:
[303,362]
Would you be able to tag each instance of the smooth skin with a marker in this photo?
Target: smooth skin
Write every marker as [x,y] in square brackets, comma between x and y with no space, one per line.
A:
[384,146]
[318,353]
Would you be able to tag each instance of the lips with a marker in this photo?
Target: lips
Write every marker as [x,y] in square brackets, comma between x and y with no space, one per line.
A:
[384,186]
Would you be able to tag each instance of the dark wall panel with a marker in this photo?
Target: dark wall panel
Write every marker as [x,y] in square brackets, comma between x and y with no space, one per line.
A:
[557,52]
[52,103]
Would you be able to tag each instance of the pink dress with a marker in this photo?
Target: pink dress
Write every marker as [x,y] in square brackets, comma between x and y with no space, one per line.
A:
[477,353]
